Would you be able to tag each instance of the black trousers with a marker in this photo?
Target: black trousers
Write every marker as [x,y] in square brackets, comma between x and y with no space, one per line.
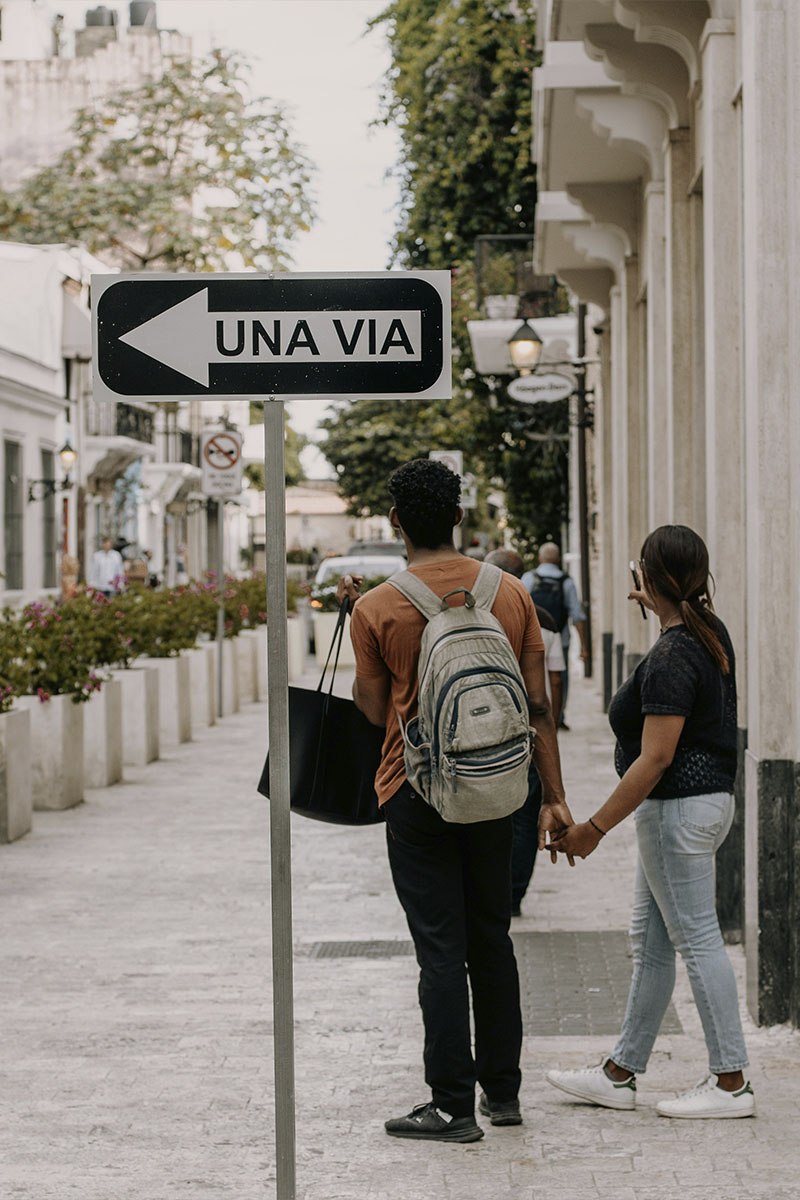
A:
[525,823]
[454,883]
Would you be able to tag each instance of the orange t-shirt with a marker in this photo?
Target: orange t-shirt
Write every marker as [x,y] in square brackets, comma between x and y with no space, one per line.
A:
[386,630]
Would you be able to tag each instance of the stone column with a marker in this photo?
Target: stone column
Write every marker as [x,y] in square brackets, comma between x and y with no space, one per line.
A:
[618,469]
[770,574]
[793,107]
[654,268]
[679,287]
[604,467]
[724,451]
[634,435]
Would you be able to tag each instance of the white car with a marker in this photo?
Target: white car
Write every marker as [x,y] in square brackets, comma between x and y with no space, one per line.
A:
[371,566]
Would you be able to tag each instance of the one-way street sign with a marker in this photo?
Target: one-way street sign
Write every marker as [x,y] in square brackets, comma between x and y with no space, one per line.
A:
[186,336]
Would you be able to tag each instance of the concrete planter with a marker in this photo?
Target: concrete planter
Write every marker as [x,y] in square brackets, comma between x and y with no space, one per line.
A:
[56,751]
[261,660]
[16,794]
[296,640]
[102,736]
[230,678]
[140,715]
[203,680]
[324,625]
[246,650]
[174,699]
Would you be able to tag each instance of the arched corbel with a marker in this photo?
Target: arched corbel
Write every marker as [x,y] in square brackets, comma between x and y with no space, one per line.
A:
[599,247]
[651,71]
[627,121]
[665,23]
[613,206]
[592,285]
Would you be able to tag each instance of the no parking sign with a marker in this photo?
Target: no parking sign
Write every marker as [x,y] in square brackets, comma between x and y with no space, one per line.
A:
[221,463]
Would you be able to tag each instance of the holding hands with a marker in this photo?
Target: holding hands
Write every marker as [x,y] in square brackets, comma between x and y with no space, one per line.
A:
[576,841]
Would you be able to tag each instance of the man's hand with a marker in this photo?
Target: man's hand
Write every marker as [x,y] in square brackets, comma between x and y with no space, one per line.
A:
[348,586]
[580,840]
[554,818]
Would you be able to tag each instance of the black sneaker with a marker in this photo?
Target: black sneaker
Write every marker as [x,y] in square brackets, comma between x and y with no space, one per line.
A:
[431,1123]
[504,1112]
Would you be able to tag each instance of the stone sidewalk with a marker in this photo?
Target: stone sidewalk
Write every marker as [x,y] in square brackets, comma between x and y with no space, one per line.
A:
[137,1023]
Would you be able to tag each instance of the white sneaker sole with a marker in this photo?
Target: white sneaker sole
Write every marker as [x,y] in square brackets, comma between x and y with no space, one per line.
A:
[621,1104]
[719,1114]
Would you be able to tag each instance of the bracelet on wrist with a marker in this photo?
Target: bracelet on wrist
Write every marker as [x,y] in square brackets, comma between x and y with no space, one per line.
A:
[597,827]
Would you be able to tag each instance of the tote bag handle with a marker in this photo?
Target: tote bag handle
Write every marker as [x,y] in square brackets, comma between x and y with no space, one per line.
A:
[338,635]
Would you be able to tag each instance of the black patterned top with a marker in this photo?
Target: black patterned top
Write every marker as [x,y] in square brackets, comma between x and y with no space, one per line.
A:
[679,677]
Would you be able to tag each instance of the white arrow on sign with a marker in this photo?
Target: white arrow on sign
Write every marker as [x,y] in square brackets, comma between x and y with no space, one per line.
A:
[189,339]
[544,388]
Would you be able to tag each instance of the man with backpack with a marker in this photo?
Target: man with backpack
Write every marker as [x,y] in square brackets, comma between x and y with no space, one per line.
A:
[449,656]
[553,589]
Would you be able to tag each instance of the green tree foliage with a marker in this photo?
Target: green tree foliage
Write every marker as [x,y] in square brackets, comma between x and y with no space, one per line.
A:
[293,446]
[459,94]
[178,172]
[367,439]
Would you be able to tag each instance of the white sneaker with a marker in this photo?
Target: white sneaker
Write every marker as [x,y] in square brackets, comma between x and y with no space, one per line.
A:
[707,1099]
[593,1085]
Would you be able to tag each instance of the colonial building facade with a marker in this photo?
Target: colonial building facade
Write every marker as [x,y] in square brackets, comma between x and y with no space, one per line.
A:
[667,137]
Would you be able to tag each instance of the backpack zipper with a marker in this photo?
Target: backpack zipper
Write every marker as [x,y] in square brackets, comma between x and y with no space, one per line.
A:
[443,696]
[470,631]
[472,688]
[500,764]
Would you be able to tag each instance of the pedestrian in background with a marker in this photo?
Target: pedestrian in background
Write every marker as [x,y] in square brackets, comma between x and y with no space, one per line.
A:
[106,570]
[453,880]
[675,722]
[525,821]
[553,589]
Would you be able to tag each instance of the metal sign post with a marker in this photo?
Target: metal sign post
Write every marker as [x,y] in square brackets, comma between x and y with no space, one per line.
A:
[222,466]
[384,334]
[220,599]
[279,808]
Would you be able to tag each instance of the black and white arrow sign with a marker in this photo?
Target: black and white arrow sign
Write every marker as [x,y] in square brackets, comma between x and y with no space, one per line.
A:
[195,336]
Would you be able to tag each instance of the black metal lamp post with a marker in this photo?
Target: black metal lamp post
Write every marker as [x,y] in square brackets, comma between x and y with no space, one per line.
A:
[40,489]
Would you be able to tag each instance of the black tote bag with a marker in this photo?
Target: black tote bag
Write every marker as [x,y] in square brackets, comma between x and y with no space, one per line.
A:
[334,752]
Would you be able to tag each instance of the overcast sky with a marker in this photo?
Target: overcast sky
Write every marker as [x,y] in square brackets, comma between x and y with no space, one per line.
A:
[314,56]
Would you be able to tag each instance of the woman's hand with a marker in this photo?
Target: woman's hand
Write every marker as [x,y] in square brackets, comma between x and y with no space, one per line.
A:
[348,586]
[577,841]
[641,597]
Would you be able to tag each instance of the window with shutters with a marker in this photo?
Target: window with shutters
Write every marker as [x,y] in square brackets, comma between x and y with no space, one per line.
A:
[13,515]
[49,522]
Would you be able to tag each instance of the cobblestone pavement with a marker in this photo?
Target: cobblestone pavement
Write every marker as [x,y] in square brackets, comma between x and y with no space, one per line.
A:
[136,1012]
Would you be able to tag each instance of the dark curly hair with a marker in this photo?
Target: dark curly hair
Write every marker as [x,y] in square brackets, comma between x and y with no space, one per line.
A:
[426,495]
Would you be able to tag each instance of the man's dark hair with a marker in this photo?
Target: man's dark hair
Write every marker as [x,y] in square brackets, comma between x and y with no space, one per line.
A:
[426,495]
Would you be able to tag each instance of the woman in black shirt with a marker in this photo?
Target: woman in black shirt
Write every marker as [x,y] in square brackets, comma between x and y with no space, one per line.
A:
[675,724]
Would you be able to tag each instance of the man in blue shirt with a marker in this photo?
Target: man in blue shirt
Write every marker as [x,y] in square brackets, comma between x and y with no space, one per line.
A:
[554,590]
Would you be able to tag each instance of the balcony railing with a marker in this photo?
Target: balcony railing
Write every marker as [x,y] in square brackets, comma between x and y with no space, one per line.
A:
[134,423]
[104,419]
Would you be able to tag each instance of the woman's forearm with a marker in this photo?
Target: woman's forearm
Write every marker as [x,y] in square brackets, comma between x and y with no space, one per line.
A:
[635,786]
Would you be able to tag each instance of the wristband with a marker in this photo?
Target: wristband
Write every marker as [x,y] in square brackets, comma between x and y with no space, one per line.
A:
[597,827]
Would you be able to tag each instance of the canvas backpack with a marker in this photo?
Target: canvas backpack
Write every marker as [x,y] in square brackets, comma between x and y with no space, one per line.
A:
[548,593]
[468,749]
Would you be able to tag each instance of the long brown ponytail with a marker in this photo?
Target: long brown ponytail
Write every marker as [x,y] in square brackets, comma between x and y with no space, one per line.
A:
[675,561]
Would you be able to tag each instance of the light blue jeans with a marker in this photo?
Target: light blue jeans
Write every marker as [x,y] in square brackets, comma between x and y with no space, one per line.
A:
[674,908]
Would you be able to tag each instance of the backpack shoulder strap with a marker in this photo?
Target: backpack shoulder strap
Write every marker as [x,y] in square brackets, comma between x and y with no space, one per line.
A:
[487,585]
[418,593]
